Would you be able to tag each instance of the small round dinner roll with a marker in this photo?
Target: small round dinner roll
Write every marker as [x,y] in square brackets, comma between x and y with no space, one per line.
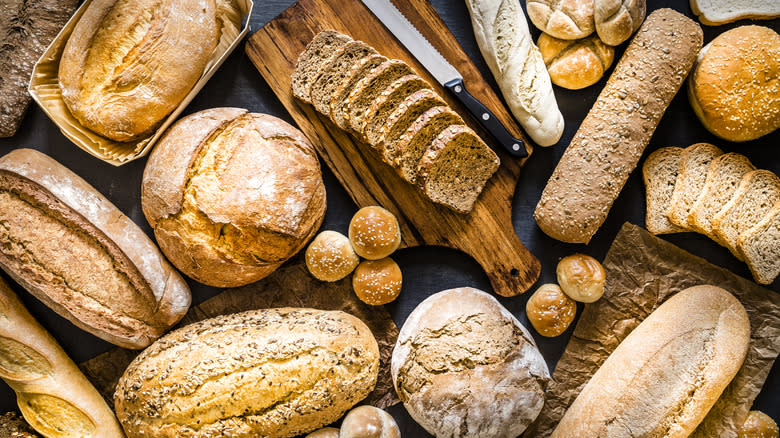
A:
[374,233]
[735,84]
[377,282]
[330,256]
[550,310]
[575,64]
[759,425]
[581,277]
[231,195]
[465,367]
[369,422]
[325,432]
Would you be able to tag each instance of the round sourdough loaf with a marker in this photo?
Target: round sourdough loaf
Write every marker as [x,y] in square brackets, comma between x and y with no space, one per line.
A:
[231,195]
[465,367]
[735,84]
[272,373]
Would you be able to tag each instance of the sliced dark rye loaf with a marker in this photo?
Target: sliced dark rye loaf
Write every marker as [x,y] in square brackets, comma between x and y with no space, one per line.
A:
[756,194]
[334,71]
[310,62]
[454,169]
[760,246]
[369,88]
[404,115]
[357,72]
[387,102]
[419,136]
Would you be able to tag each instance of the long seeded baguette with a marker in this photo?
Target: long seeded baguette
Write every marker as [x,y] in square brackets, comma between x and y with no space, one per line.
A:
[53,395]
[613,136]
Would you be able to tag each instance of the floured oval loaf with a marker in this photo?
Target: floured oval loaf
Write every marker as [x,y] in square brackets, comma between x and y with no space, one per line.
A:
[75,251]
[465,367]
[666,375]
[270,373]
[128,64]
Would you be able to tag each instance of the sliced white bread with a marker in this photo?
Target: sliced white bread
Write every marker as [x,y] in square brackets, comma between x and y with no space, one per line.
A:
[723,177]
[455,167]
[334,71]
[761,247]
[387,102]
[660,175]
[717,12]
[309,65]
[358,71]
[756,194]
[692,173]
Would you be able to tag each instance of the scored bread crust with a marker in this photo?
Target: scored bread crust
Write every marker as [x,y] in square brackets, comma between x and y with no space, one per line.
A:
[755,196]
[612,138]
[131,316]
[231,195]
[659,186]
[272,373]
[616,20]
[128,64]
[666,375]
[564,19]
[691,176]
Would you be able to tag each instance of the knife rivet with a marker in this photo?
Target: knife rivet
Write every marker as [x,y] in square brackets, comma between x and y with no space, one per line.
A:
[485,116]
[515,147]
[458,88]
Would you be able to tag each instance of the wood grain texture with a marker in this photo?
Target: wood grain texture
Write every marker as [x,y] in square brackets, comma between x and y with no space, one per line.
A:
[486,233]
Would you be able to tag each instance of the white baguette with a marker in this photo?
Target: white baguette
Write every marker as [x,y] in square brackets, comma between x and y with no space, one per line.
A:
[504,39]
[53,395]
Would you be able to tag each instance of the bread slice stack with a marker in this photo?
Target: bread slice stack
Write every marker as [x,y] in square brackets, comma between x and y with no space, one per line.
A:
[722,196]
[384,103]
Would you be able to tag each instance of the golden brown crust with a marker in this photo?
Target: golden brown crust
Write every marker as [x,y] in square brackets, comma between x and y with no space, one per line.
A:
[575,64]
[113,282]
[128,64]
[231,195]
[550,311]
[377,282]
[735,86]
[616,20]
[330,256]
[759,425]
[273,373]
[565,19]
[374,232]
[581,277]
[665,376]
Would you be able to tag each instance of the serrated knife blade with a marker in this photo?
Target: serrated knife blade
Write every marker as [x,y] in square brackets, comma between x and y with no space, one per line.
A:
[442,71]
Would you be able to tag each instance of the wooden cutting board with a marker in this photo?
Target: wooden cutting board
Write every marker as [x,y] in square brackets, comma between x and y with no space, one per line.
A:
[486,233]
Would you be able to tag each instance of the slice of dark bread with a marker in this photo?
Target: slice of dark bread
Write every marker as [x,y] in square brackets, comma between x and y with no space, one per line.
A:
[334,71]
[723,177]
[454,169]
[692,174]
[309,65]
[660,175]
[387,102]
[761,247]
[369,88]
[419,136]
[756,194]
[338,102]
[399,121]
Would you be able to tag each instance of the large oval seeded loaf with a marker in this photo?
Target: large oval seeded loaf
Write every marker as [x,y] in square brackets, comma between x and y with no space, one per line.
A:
[665,376]
[271,373]
[75,251]
[609,143]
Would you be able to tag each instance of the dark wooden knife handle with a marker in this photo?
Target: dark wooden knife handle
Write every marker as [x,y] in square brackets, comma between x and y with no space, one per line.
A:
[515,147]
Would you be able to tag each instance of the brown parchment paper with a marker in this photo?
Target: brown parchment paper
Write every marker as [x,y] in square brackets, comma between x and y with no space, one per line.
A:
[289,286]
[643,271]
[45,90]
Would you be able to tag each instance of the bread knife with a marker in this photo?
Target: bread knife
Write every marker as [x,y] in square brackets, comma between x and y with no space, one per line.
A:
[444,72]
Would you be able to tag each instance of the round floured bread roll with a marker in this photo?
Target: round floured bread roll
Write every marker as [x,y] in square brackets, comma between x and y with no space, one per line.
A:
[231,195]
[735,84]
[464,366]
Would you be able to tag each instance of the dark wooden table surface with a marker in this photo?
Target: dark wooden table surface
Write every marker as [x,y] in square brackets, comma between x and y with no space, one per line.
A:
[426,270]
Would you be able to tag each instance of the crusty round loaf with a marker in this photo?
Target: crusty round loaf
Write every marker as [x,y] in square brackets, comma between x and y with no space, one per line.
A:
[330,256]
[231,195]
[460,352]
[735,84]
[128,64]
[575,64]
[273,373]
